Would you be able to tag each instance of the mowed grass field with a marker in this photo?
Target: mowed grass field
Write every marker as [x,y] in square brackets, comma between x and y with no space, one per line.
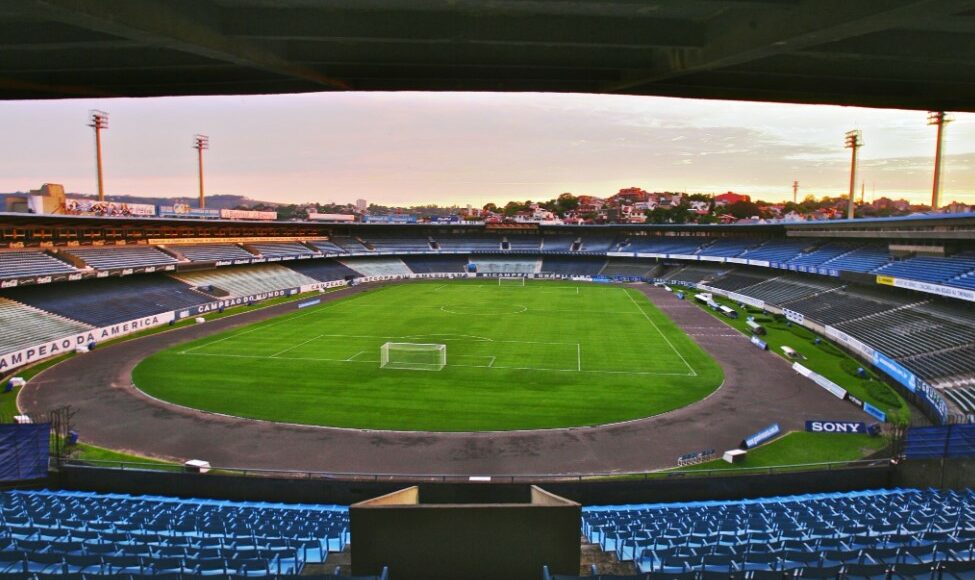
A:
[543,355]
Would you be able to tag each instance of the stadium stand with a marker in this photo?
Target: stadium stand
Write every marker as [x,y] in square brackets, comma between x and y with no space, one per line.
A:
[930,269]
[328,247]
[638,267]
[842,306]
[70,532]
[18,264]
[377,266]
[850,535]
[214,252]
[521,243]
[487,265]
[400,243]
[817,257]
[558,242]
[787,288]
[737,280]
[246,280]
[106,301]
[471,243]
[776,250]
[22,326]
[692,274]
[728,247]
[322,270]
[663,245]
[573,265]
[963,397]
[281,249]
[112,258]
[940,441]
[904,332]
[348,244]
[863,259]
[597,243]
[436,264]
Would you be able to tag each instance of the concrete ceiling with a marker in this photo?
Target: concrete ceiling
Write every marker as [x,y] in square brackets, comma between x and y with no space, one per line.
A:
[912,54]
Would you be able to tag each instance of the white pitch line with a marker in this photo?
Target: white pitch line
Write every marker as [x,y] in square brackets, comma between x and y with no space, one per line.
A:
[353,357]
[654,324]
[296,346]
[579,356]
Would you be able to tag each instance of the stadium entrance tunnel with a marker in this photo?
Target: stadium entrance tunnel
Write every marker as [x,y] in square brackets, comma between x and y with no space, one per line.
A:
[475,530]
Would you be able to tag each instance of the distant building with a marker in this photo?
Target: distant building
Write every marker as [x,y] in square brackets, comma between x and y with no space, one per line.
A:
[361,205]
[730,198]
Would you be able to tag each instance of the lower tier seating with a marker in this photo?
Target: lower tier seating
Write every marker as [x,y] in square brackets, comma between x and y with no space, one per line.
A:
[246,280]
[22,326]
[323,270]
[861,534]
[632,267]
[106,301]
[573,265]
[377,266]
[436,264]
[487,265]
[65,532]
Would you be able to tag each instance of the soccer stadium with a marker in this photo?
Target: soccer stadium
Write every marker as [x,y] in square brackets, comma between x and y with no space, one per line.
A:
[230,395]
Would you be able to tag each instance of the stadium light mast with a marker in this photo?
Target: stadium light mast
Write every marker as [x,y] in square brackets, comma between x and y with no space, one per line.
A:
[939,119]
[98,120]
[854,140]
[201,142]
[795,191]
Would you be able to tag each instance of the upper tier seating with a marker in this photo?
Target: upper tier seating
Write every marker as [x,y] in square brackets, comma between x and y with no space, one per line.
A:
[486,265]
[246,280]
[663,245]
[282,249]
[214,252]
[863,259]
[558,243]
[378,266]
[400,243]
[963,398]
[477,243]
[72,532]
[728,247]
[21,264]
[817,534]
[640,267]
[776,250]
[22,326]
[117,257]
[106,301]
[929,269]
[436,264]
[573,265]
[597,243]
[816,258]
[524,243]
[323,270]
[328,247]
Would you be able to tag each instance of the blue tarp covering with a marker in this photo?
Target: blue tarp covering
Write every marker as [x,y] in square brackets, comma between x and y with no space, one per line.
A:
[24,451]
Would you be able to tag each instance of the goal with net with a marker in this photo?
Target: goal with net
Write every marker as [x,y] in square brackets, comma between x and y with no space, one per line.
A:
[511,281]
[413,356]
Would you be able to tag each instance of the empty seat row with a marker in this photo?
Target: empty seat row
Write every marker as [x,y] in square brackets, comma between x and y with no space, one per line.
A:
[21,264]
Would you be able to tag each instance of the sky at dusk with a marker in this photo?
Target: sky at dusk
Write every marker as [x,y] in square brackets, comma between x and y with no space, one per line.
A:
[471,148]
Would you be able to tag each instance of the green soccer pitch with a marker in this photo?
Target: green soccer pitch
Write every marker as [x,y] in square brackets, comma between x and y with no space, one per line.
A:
[543,355]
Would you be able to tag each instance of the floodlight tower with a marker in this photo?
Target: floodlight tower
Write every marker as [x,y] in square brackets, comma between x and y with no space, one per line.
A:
[98,120]
[939,119]
[795,191]
[201,142]
[854,140]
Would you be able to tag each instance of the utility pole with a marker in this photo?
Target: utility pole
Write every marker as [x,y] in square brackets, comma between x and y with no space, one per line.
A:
[98,120]
[201,142]
[854,140]
[795,191]
[939,119]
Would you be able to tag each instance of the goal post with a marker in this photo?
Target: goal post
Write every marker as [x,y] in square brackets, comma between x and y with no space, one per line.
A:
[511,281]
[413,356]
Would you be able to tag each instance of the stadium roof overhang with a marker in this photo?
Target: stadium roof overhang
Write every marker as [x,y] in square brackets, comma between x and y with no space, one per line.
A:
[914,54]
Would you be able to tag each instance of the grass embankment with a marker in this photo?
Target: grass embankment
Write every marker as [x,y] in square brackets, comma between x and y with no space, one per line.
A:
[824,358]
[797,448]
